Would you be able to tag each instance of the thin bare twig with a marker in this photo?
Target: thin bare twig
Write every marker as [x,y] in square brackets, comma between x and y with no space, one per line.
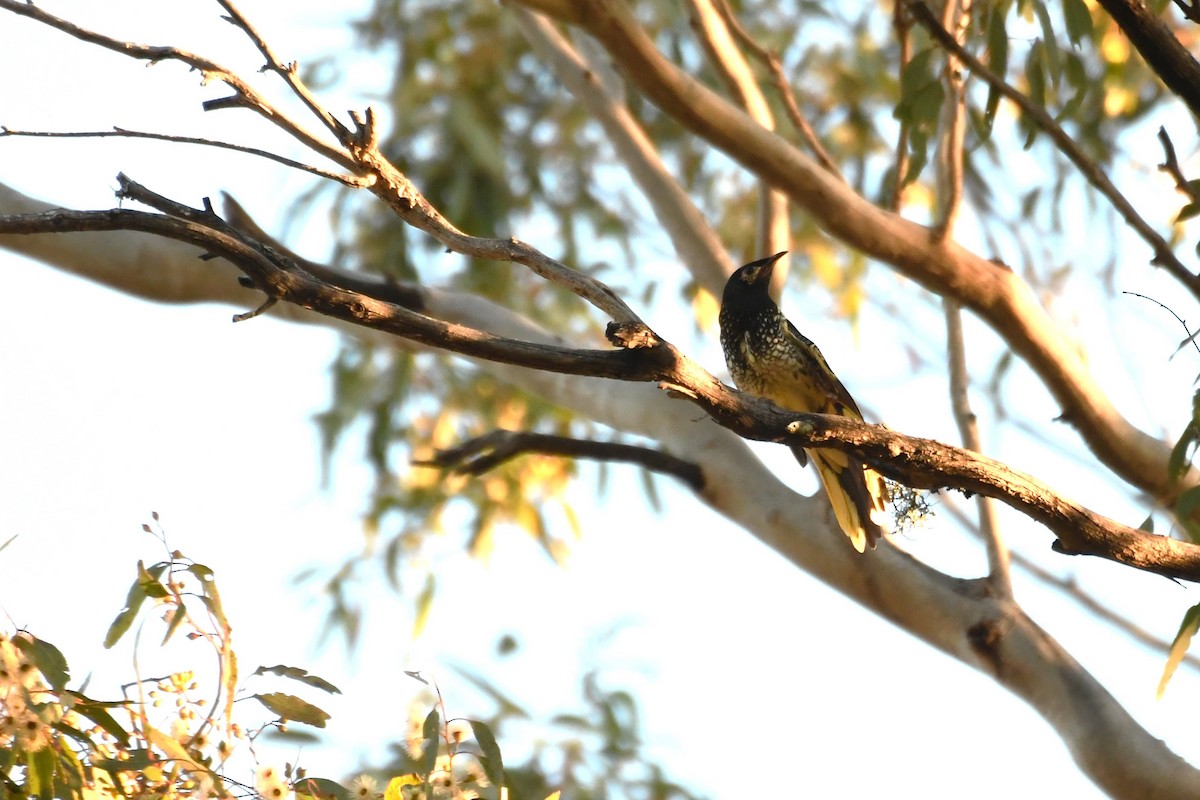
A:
[1191,337]
[482,453]
[999,571]
[955,18]
[245,94]
[289,72]
[775,68]
[349,180]
[1171,166]
[262,308]
[1164,256]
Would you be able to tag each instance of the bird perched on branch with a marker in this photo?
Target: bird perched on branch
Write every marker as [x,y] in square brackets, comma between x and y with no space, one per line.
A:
[768,357]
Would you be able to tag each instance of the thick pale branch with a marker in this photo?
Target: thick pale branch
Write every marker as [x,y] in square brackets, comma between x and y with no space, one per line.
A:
[694,239]
[1000,297]
[712,29]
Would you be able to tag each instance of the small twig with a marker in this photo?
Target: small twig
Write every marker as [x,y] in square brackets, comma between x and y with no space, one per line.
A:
[1190,11]
[999,571]
[483,453]
[1191,337]
[289,72]
[1171,166]
[1164,256]
[266,304]
[775,68]
[349,180]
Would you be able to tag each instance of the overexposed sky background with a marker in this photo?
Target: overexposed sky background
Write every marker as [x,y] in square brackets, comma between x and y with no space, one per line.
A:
[745,669]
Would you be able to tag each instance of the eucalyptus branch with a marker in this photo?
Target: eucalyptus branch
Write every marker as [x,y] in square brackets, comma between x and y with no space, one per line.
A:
[1071,589]
[289,72]
[693,237]
[1171,166]
[644,357]
[349,180]
[775,67]
[955,18]
[483,453]
[718,43]
[902,25]
[999,573]
[1159,47]
[1164,255]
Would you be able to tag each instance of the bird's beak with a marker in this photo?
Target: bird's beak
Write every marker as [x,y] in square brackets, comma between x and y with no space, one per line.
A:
[758,273]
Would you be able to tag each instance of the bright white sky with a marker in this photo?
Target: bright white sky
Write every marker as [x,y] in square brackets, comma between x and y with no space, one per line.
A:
[745,669]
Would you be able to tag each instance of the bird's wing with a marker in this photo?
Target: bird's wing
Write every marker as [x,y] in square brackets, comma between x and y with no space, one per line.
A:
[836,399]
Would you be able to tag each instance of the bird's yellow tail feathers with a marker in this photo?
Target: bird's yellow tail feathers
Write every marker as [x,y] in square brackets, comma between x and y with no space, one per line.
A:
[854,491]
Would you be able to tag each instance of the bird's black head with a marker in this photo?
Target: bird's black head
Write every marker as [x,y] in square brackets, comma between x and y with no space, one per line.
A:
[748,288]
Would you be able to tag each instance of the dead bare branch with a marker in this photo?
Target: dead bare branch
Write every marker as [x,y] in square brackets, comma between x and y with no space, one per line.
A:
[483,453]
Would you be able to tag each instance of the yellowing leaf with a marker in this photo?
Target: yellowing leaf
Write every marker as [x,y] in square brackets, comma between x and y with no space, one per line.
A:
[424,604]
[705,309]
[1183,639]
[1114,46]
[396,786]
[825,267]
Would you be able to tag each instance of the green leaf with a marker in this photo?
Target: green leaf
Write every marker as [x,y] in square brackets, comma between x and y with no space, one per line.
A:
[320,789]
[95,711]
[1050,42]
[298,674]
[149,580]
[1185,511]
[1035,76]
[1181,453]
[177,616]
[290,707]
[41,772]
[1187,212]
[1183,639]
[997,62]
[493,764]
[1079,21]
[47,658]
[212,598]
[133,604]
[431,731]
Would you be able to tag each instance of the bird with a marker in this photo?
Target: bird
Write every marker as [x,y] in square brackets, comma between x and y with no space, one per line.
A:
[769,358]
